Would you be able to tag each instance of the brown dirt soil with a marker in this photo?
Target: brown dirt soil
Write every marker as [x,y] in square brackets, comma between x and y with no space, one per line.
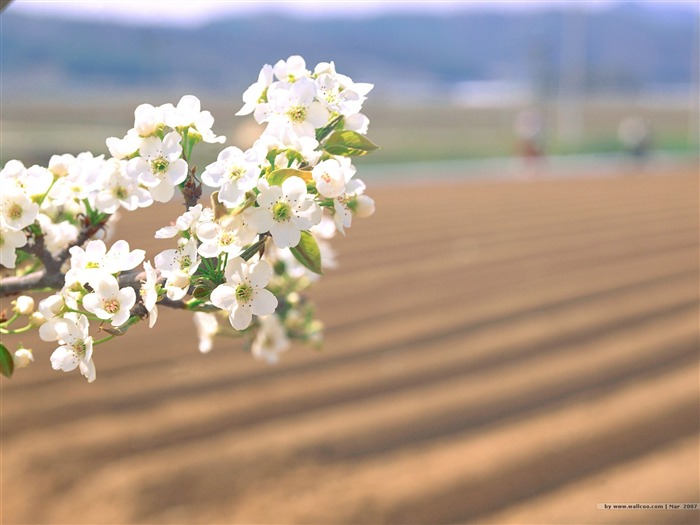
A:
[496,352]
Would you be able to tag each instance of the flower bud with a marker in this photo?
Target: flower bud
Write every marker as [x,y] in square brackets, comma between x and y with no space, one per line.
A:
[23,357]
[36,319]
[24,305]
[364,206]
[178,279]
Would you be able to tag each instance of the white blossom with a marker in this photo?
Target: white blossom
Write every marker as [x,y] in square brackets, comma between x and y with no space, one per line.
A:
[352,198]
[207,327]
[95,261]
[109,302]
[17,210]
[34,181]
[181,259]
[188,115]
[271,339]
[291,70]
[329,177]
[284,211]
[57,235]
[75,350]
[256,93]
[244,294]
[125,147]
[293,107]
[227,236]
[159,166]
[149,293]
[10,240]
[187,222]
[235,172]
[120,189]
[81,177]
[341,94]
[24,305]
[148,119]
[51,310]
[176,284]
[22,358]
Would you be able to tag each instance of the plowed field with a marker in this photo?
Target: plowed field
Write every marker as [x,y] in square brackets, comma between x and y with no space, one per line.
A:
[496,352]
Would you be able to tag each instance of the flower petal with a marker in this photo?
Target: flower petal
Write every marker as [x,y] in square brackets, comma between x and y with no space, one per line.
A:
[64,358]
[260,274]
[224,297]
[285,234]
[264,303]
[241,317]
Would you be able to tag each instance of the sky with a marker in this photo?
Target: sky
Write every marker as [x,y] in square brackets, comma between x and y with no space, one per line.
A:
[197,12]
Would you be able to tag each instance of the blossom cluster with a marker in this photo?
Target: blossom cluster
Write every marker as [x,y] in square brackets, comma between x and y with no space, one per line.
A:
[240,263]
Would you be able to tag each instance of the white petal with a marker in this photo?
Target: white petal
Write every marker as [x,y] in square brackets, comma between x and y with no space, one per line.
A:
[92,303]
[151,148]
[264,302]
[241,317]
[177,171]
[294,189]
[167,232]
[88,370]
[163,192]
[285,234]
[259,219]
[121,317]
[127,298]
[224,297]
[260,274]
[269,196]
[64,358]
[152,316]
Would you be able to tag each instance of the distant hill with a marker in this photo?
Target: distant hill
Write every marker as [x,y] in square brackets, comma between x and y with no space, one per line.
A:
[625,48]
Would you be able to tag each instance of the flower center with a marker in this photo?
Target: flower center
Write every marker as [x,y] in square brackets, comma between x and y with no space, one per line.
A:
[297,114]
[185,261]
[111,306]
[79,347]
[281,211]
[235,173]
[244,292]
[226,238]
[159,165]
[120,192]
[14,212]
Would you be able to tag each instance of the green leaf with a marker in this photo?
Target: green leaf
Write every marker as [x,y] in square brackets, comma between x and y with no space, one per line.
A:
[308,253]
[7,364]
[349,144]
[323,132]
[277,177]
[252,249]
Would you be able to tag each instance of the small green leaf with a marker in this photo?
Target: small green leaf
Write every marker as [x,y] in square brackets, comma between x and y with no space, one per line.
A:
[277,177]
[7,364]
[308,253]
[252,249]
[323,132]
[349,144]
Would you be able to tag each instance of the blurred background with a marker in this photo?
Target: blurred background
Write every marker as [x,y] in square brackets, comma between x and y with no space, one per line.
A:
[512,338]
[450,78]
